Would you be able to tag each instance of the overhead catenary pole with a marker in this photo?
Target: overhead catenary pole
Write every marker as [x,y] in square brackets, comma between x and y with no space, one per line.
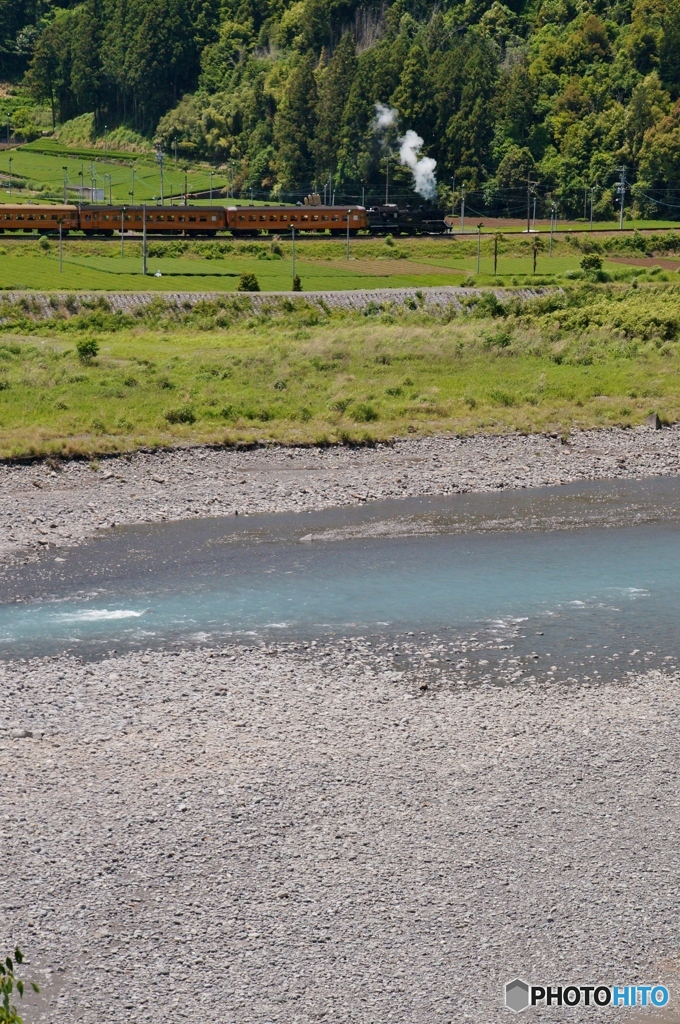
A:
[621,189]
[61,247]
[10,176]
[132,193]
[479,245]
[211,187]
[552,221]
[122,232]
[529,203]
[495,254]
[534,218]
[293,249]
[387,180]
[453,199]
[348,216]
[144,239]
[462,210]
[592,193]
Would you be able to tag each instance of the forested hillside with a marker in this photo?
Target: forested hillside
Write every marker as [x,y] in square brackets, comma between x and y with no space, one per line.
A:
[563,92]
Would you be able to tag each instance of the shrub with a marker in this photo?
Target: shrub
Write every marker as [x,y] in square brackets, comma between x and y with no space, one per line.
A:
[591,262]
[248,283]
[297,283]
[9,982]
[365,413]
[181,415]
[87,349]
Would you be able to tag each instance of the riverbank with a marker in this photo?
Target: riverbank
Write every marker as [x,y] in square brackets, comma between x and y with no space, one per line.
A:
[300,832]
[58,504]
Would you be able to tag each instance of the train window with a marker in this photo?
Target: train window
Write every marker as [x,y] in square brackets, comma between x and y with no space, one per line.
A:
[241,217]
[160,217]
[43,216]
[20,216]
[213,218]
[324,216]
[128,216]
[305,216]
[315,216]
[293,216]
[202,219]
[284,216]
[263,216]
[170,217]
[252,217]
[335,217]
[88,216]
[192,218]
[355,216]
[273,218]
[106,216]
[31,216]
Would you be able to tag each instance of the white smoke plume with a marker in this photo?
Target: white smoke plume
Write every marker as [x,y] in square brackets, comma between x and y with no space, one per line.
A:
[422,167]
[410,145]
[384,117]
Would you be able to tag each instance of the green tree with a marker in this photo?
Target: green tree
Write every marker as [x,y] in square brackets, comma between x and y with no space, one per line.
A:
[294,125]
[333,91]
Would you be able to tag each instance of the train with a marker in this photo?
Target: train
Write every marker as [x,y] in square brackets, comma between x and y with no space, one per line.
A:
[206,221]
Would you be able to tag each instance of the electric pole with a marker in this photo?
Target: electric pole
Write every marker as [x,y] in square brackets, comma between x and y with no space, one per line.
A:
[144,239]
[621,189]
[462,210]
[529,203]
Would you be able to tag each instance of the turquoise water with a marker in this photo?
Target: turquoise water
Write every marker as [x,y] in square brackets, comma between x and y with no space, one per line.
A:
[593,563]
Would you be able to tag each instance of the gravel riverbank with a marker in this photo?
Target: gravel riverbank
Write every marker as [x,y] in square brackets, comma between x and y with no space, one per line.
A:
[60,505]
[301,833]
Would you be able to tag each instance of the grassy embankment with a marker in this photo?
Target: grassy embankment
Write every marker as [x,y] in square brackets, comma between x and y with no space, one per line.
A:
[322,264]
[594,356]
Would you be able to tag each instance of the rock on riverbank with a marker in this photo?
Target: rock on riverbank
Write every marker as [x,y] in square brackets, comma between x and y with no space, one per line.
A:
[299,833]
[42,505]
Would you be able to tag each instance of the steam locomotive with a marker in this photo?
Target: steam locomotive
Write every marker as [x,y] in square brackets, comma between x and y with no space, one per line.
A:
[206,221]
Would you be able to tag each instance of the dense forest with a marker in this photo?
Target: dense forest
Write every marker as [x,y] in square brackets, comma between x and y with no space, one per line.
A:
[560,93]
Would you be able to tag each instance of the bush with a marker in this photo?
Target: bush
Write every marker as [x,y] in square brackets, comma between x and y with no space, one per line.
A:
[182,415]
[591,262]
[365,413]
[297,283]
[8,982]
[87,349]
[248,283]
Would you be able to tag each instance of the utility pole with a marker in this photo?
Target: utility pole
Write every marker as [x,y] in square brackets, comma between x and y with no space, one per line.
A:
[479,245]
[529,203]
[186,189]
[211,178]
[453,199]
[348,213]
[104,140]
[534,211]
[132,193]
[552,221]
[64,169]
[144,239]
[535,251]
[10,177]
[387,180]
[174,143]
[293,249]
[495,254]
[585,201]
[621,189]
[592,193]
[363,196]
[122,232]
[462,209]
[159,161]
[61,247]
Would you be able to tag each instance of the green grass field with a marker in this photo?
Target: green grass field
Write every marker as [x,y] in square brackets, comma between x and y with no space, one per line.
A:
[43,171]
[322,265]
[594,356]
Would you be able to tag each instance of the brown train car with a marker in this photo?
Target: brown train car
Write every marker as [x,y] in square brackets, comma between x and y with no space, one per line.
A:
[195,220]
[250,220]
[33,217]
